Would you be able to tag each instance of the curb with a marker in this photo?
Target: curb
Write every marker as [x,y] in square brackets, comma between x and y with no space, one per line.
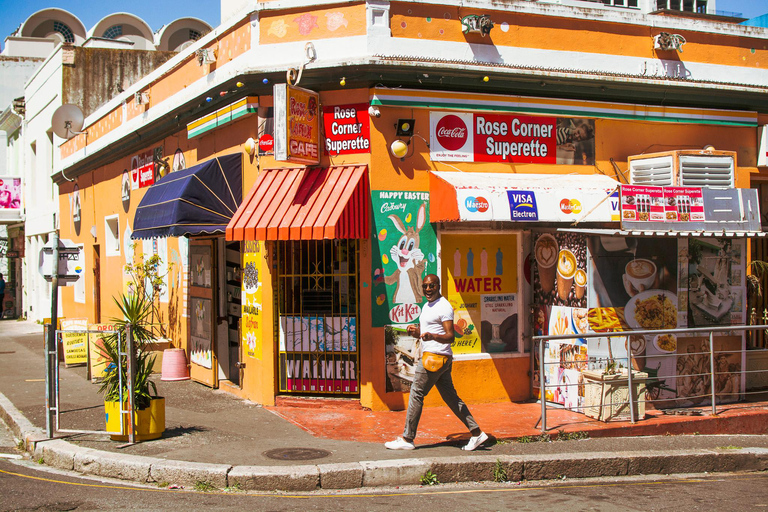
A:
[378,473]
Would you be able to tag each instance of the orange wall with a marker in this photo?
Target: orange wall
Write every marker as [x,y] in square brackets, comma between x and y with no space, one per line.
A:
[443,23]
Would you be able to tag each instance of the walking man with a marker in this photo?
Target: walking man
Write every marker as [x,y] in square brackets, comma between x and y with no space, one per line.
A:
[435,330]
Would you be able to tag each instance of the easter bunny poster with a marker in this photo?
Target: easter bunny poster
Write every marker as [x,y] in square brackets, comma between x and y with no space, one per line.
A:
[403,253]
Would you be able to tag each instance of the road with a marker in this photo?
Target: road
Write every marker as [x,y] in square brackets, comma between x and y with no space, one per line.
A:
[27,485]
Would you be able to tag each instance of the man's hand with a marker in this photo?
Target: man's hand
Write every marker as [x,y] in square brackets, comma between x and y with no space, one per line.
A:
[414,330]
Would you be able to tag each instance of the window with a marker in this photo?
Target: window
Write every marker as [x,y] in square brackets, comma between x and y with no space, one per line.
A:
[194,35]
[65,31]
[112,235]
[113,32]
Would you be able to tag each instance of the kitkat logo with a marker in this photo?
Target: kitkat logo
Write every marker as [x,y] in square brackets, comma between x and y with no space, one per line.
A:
[569,206]
[476,204]
[451,132]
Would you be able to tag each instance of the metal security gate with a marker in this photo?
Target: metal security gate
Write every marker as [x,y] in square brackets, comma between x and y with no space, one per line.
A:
[317,310]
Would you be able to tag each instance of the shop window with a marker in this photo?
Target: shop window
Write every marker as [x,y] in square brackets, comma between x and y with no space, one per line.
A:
[112,235]
[317,317]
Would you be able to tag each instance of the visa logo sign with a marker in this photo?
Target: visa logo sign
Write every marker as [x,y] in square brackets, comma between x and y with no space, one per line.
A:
[522,205]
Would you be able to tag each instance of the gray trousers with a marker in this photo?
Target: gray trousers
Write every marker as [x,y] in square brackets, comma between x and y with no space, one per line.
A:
[422,384]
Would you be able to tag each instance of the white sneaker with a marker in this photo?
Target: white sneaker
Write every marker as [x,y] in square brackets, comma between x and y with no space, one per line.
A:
[475,441]
[400,444]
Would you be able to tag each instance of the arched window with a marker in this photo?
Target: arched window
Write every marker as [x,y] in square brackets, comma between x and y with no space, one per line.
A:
[113,32]
[65,31]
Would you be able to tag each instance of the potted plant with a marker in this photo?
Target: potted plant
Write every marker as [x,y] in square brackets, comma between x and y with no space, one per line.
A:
[149,408]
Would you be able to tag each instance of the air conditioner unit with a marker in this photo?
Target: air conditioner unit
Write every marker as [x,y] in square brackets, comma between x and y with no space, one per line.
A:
[665,41]
[684,168]
[141,98]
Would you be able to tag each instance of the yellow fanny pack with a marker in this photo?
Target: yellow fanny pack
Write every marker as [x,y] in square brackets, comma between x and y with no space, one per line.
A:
[433,362]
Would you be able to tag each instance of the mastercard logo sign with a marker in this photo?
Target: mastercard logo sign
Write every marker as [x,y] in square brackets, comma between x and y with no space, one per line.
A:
[476,204]
[569,206]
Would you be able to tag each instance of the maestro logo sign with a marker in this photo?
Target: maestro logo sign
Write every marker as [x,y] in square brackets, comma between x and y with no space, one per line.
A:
[569,206]
[477,204]
[451,132]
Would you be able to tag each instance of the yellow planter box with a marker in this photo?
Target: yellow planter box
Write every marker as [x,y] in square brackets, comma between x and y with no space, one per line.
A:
[150,422]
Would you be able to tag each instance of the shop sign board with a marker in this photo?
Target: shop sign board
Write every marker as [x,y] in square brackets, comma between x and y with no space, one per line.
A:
[97,363]
[487,137]
[662,204]
[404,252]
[142,170]
[347,129]
[297,124]
[538,204]
[251,323]
[75,342]
[70,266]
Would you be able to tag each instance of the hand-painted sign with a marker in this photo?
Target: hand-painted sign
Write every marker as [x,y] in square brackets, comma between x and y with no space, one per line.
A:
[347,129]
[297,124]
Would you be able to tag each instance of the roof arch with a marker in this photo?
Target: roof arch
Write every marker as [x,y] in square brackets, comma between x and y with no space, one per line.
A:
[54,23]
[176,35]
[123,26]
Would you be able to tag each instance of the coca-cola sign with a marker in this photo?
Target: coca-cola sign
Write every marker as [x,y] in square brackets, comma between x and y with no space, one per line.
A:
[451,132]
[451,136]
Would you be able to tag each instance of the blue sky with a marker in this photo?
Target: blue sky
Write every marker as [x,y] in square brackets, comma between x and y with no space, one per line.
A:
[159,12]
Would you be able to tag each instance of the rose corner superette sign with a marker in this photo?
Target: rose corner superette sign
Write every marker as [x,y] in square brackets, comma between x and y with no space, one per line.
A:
[491,137]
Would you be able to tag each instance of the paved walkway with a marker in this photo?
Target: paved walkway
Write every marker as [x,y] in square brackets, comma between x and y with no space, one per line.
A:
[213,428]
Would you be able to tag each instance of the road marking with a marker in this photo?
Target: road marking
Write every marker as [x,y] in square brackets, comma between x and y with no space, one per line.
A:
[34,380]
[421,493]
[10,456]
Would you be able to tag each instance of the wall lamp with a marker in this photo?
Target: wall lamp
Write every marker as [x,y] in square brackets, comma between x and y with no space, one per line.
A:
[250,146]
[403,128]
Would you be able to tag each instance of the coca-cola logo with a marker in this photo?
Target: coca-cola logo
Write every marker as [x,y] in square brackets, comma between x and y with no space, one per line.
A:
[451,132]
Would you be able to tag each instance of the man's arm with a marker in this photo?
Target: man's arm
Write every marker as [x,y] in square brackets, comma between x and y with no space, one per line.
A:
[441,338]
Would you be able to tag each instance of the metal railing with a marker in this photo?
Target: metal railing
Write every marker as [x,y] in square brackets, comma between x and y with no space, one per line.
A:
[632,401]
[52,378]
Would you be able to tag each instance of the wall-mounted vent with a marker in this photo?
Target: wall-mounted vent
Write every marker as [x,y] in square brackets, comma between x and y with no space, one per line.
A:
[706,171]
[652,171]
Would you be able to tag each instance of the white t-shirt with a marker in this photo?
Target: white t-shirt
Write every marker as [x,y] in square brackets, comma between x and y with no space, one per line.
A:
[431,320]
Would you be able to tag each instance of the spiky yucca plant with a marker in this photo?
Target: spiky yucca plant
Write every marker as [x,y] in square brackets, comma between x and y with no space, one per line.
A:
[137,311]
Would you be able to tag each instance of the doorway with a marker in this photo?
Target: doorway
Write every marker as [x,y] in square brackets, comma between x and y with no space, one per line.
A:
[203,366]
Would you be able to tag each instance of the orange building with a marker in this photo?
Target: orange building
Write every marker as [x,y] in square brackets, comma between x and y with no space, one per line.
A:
[482,144]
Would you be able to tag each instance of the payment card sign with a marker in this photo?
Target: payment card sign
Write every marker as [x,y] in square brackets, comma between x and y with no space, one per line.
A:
[522,205]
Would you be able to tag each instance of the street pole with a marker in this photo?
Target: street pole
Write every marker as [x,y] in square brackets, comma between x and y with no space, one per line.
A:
[131,361]
[51,346]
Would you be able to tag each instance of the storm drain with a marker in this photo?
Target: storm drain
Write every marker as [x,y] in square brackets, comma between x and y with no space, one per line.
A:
[296,453]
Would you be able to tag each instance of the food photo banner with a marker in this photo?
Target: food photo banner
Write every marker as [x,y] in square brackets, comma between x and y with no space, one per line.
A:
[510,138]
[662,204]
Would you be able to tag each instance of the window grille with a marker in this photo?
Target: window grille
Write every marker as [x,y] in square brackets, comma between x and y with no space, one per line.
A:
[317,317]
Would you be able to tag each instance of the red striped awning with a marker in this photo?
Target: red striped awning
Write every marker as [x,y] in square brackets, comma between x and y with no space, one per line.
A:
[304,204]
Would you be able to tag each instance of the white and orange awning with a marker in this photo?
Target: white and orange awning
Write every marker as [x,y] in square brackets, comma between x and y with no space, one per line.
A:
[479,196]
[305,203]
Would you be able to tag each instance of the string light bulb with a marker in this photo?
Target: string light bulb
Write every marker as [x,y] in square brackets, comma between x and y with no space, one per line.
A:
[265,81]
[239,84]
[485,78]
[343,81]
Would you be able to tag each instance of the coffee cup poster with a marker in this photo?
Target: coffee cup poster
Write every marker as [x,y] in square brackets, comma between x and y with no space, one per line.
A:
[561,269]
[403,253]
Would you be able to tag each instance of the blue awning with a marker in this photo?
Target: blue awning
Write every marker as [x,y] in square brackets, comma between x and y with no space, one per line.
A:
[193,201]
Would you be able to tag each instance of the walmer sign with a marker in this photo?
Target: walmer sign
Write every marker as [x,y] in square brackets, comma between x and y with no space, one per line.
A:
[297,124]
[488,137]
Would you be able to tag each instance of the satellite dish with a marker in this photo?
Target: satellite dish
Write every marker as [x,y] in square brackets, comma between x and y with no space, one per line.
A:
[67,121]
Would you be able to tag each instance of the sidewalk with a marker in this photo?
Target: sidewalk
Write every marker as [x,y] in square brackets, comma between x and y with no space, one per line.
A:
[214,436]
